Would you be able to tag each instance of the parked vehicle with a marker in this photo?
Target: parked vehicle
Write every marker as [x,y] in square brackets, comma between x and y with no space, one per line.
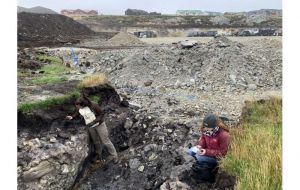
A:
[211,33]
[145,34]
[267,32]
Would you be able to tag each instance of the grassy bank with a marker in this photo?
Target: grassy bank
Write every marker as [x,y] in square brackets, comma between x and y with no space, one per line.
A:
[256,148]
[48,103]
[53,72]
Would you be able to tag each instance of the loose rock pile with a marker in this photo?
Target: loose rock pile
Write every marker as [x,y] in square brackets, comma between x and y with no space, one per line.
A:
[172,80]
[124,39]
[219,65]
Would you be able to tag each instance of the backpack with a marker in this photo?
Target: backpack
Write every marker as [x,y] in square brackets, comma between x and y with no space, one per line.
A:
[204,171]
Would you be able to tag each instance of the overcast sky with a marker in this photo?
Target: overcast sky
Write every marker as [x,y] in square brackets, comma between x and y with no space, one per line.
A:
[118,7]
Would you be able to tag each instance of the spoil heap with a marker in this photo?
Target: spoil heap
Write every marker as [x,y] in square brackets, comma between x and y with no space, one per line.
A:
[48,29]
[220,64]
[124,39]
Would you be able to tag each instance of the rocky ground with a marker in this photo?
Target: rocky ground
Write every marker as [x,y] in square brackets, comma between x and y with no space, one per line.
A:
[170,88]
[198,78]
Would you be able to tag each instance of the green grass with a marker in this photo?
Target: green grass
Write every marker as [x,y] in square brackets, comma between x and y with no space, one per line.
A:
[47,58]
[256,148]
[48,103]
[95,98]
[23,74]
[49,79]
[55,68]
[53,72]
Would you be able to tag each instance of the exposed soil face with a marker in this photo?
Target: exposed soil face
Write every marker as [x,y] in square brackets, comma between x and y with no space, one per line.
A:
[153,160]
[26,59]
[50,147]
[108,94]
[44,118]
[150,154]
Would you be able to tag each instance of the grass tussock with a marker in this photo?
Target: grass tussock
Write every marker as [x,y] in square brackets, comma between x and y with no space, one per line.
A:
[29,107]
[256,147]
[95,80]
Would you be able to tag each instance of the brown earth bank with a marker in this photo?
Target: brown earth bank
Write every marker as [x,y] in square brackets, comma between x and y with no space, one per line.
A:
[152,155]
[36,30]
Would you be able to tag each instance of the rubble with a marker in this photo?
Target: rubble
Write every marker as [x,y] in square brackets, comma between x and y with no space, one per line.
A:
[168,89]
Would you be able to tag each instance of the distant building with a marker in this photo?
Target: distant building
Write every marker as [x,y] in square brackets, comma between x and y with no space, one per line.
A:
[197,13]
[139,12]
[78,12]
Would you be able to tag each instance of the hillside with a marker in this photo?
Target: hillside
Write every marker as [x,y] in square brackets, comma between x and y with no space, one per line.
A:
[38,10]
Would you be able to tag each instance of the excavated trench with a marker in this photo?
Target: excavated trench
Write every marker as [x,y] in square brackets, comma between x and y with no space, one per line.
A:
[151,155]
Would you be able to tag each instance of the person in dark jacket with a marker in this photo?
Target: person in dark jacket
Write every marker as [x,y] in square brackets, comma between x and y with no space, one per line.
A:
[214,142]
[93,116]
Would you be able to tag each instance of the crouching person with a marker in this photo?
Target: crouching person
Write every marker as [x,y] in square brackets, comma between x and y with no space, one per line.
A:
[93,117]
[211,147]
